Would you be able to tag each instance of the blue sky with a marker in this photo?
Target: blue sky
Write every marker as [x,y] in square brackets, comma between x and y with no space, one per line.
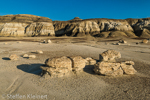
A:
[85,9]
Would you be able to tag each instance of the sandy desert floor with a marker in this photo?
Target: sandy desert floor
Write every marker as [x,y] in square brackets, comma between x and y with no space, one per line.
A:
[22,77]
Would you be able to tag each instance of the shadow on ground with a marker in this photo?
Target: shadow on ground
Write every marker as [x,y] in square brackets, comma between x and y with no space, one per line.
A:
[89,69]
[31,68]
[5,58]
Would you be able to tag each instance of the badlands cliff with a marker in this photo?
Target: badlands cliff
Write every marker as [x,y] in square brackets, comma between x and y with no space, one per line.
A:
[103,27]
[31,25]
[25,25]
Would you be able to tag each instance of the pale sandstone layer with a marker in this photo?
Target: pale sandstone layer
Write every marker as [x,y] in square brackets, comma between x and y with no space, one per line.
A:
[25,25]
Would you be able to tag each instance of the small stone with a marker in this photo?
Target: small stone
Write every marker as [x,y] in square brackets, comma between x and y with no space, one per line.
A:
[5,43]
[49,41]
[44,41]
[32,56]
[25,56]
[39,52]
[13,57]
[137,42]
[145,41]
[19,42]
[122,41]
[117,43]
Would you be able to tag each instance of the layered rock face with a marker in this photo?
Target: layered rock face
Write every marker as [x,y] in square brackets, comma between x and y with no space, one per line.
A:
[115,25]
[13,29]
[81,28]
[94,27]
[141,27]
[31,25]
[25,25]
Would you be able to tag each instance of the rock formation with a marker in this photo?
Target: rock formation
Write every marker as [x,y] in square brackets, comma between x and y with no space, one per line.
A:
[31,25]
[25,25]
[95,27]
[62,66]
[57,67]
[109,55]
[109,67]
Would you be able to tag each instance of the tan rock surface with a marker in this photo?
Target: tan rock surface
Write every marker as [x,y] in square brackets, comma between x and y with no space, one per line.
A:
[108,69]
[144,41]
[58,67]
[145,33]
[109,55]
[25,56]
[115,34]
[13,57]
[117,25]
[39,51]
[13,29]
[78,63]
[40,29]
[90,61]
[83,27]
[127,67]
[32,56]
